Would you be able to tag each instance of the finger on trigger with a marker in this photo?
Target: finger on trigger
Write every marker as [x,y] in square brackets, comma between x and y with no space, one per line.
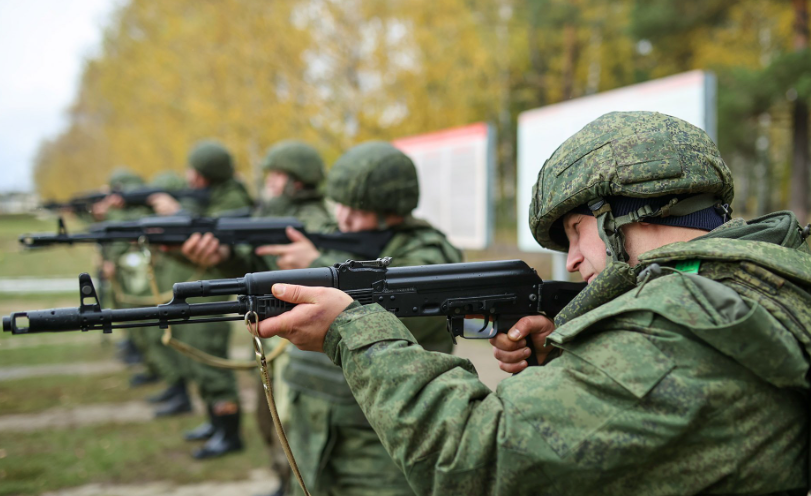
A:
[270,250]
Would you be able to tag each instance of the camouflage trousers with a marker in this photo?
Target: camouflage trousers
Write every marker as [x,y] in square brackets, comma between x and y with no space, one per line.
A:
[214,384]
[159,359]
[338,459]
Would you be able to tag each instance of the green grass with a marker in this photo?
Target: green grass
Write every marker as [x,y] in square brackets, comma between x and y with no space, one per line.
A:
[56,261]
[85,349]
[36,462]
[34,394]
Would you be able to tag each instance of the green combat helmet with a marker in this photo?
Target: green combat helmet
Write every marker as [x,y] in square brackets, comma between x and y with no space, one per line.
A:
[123,178]
[212,160]
[377,177]
[297,159]
[666,168]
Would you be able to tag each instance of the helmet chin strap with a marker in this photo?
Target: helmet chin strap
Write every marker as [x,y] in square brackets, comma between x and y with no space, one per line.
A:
[289,187]
[611,235]
[609,227]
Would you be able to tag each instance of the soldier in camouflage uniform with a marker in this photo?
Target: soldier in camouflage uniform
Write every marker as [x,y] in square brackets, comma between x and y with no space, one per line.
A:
[375,187]
[123,268]
[293,173]
[210,166]
[682,368]
[169,364]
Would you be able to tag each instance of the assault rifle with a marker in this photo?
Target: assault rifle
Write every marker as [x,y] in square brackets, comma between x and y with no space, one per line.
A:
[175,230]
[131,197]
[502,292]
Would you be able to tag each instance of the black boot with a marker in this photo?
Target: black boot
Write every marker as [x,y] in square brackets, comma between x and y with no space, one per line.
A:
[129,353]
[226,437]
[142,379]
[203,431]
[175,405]
[167,393]
[200,433]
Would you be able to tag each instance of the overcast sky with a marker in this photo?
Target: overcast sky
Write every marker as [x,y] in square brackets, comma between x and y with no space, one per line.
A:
[43,44]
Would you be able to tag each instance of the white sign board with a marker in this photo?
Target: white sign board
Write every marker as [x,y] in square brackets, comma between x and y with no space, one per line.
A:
[455,169]
[689,96]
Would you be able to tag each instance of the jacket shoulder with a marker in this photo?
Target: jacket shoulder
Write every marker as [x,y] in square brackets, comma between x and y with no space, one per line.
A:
[420,243]
[787,262]
[684,299]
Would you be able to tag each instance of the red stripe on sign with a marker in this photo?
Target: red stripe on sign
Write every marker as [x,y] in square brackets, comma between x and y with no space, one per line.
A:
[443,138]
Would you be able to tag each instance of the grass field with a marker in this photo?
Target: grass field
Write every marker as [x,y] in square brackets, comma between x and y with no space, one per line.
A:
[36,461]
[53,458]
[50,459]
[57,261]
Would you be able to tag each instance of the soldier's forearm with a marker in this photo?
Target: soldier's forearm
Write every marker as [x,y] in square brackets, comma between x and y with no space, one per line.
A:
[436,419]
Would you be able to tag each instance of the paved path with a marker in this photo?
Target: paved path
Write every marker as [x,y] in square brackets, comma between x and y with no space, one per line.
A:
[104,413]
[260,481]
[80,368]
[480,353]
[15,285]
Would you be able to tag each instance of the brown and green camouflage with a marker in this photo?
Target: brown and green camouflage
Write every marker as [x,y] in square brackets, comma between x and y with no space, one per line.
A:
[632,154]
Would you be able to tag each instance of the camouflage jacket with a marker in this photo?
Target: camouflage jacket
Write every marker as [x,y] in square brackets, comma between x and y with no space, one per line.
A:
[171,267]
[685,384]
[415,242]
[308,207]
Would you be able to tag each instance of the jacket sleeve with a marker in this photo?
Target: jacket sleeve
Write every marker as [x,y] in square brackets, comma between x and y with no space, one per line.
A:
[443,427]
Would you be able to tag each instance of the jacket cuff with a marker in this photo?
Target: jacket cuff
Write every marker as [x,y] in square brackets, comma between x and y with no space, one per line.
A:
[359,326]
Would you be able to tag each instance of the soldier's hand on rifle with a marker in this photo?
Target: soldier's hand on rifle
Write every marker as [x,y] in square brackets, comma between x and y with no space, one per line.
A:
[205,251]
[163,204]
[299,254]
[306,324]
[511,349]
[99,209]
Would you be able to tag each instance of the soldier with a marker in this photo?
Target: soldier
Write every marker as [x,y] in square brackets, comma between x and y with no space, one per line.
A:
[293,173]
[170,365]
[375,187]
[123,270]
[681,369]
[210,166]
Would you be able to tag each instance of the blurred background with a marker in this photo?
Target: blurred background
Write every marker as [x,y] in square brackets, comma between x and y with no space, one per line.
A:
[92,85]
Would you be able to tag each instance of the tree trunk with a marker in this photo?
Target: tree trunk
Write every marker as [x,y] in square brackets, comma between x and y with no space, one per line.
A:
[800,164]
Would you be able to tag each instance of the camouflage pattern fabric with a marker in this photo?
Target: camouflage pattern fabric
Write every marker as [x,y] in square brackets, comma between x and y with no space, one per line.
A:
[632,154]
[308,207]
[297,159]
[212,160]
[214,384]
[690,383]
[375,176]
[335,447]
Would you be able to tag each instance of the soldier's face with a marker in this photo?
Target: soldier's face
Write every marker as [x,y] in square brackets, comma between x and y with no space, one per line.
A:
[586,249]
[195,180]
[354,220]
[275,182]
